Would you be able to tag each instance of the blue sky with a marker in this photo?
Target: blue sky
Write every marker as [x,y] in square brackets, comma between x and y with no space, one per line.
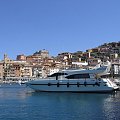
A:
[58,26]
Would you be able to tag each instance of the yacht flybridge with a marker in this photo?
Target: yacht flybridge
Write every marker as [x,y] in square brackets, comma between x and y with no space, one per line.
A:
[76,81]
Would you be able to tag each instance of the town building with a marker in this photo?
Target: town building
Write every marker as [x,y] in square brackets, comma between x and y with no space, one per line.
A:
[1,70]
[21,57]
[93,61]
[43,53]
[26,71]
[40,64]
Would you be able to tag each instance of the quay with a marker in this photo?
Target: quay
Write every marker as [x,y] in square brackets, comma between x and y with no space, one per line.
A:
[20,80]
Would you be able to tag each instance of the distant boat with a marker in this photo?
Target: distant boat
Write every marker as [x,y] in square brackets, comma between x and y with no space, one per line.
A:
[76,81]
[22,81]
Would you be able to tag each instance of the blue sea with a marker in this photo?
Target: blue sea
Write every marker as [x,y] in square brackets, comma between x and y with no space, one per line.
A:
[18,102]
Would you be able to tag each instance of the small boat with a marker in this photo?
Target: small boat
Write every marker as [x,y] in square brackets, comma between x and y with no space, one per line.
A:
[76,81]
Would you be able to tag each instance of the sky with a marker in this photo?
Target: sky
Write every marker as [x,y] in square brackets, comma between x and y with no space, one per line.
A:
[27,26]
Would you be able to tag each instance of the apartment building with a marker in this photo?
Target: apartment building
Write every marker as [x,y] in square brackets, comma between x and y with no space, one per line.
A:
[34,59]
[37,71]
[26,71]
[1,70]
[14,68]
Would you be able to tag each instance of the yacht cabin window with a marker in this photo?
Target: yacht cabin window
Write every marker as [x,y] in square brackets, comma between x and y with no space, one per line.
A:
[78,76]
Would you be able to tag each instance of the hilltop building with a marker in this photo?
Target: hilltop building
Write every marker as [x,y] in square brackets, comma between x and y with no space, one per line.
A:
[21,57]
[43,53]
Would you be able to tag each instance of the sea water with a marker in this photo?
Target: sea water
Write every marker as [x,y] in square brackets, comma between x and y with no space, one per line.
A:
[18,102]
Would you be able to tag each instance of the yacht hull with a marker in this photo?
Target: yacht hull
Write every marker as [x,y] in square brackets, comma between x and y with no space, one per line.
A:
[68,86]
[76,81]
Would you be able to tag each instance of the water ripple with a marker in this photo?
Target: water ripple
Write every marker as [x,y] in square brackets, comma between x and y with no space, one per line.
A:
[21,103]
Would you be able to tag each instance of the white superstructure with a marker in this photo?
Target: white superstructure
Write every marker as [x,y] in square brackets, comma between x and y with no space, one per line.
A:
[76,81]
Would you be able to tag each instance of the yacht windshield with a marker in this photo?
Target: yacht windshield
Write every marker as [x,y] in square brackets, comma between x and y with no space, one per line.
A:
[57,74]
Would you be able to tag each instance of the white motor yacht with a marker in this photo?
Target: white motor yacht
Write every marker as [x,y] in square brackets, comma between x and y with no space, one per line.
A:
[76,81]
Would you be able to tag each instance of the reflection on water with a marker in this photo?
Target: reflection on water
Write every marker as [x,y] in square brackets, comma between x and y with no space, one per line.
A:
[19,102]
[12,91]
[112,107]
